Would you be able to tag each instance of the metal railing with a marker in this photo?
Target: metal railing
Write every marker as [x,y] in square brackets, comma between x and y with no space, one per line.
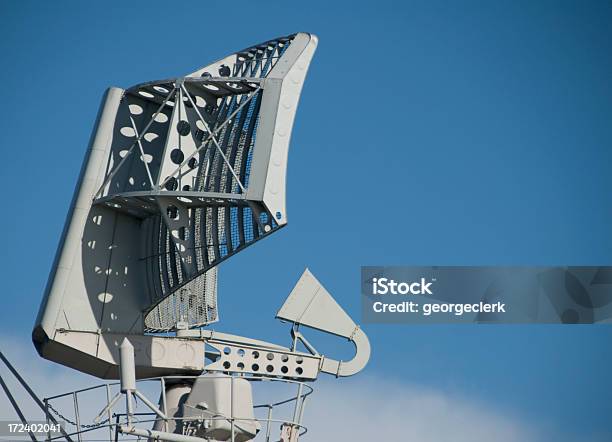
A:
[109,427]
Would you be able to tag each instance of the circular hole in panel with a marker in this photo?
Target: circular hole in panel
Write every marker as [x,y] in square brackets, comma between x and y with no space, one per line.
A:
[127,131]
[135,109]
[192,163]
[227,365]
[240,365]
[284,358]
[269,368]
[150,136]
[299,360]
[224,71]
[255,354]
[227,350]
[299,370]
[146,94]
[206,74]
[161,89]
[267,228]
[199,101]
[284,369]
[240,352]
[255,367]
[211,87]
[183,128]
[270,356]
[172,184]
[279,215]
[177,156]
[105,298]
[186,188]
[161,117]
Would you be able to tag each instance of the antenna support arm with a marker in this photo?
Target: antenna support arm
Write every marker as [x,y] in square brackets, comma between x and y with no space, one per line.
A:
[355,365]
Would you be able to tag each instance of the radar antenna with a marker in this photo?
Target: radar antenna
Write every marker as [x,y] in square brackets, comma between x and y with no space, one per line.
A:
[182,174]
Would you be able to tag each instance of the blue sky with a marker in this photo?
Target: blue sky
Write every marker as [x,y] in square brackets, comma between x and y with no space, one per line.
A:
[429,133]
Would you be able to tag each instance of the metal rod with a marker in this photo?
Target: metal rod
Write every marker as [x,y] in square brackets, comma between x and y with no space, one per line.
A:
[50,398]
[268,421]
[128,406]
[232,405]
[142,153]
[110,414]
[16,407]
[33,395]
[298,400]
[47,419]
[109,406]
[144,132]
[149,404]
[77,417]
[302,409]
[211,134]
[158,435]
[231,169]
[117,428]
[163,398]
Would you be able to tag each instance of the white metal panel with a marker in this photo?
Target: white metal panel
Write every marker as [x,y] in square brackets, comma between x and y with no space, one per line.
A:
[70,244]
[310,304]
[282,92]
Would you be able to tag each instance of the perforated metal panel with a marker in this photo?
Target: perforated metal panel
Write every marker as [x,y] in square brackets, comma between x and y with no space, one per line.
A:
[181,174]
[194,304]
[192,160]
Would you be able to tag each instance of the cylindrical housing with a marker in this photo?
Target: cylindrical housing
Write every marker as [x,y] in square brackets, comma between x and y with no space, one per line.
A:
[127,368]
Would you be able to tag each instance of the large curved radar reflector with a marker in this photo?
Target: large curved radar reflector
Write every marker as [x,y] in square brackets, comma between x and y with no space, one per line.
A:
[181,174]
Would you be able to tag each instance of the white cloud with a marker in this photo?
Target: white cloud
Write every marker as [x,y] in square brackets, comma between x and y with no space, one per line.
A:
[379,410]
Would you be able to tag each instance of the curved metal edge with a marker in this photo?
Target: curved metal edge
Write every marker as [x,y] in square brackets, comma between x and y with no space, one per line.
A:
[279,105]
[230,59]
[90,178]
[355,365]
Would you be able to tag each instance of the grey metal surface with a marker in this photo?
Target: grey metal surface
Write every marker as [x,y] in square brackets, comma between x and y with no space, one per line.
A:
[311,305]
[181,174]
